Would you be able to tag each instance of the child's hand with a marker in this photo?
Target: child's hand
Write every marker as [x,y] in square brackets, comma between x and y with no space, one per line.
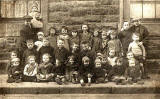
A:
[10,75]
[144,58]
[16,72]
[89,75]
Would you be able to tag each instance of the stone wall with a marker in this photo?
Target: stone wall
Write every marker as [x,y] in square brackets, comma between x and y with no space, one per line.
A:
[73,13]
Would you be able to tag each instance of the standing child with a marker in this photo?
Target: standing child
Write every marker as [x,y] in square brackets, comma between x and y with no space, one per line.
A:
[39,42]
[75,37]
[64,35]
[14,71]
[96,40]
[31,50]
[53,37]
[115,43]
[86,71]
[30,70]
[112,57]
[138,50]
[45,69]
[72,69]
[46,48]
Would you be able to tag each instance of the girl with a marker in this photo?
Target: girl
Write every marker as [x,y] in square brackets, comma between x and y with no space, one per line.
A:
[53,37]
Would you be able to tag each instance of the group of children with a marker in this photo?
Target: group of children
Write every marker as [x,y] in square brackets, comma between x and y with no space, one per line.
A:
[81,57]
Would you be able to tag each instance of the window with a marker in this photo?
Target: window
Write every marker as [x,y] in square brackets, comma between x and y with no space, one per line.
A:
[145,9]
[17,8]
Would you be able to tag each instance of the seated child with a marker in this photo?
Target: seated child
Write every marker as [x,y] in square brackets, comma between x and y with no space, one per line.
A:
[46,48]
[29,51]
[64,35]
[44,72]
[112,57]
[59,72]
[30,70]
[98,72]
[139,52]
[133,72]
[117,72]
[75,52]
[72,69]
[96,40]
[75,37]
[86,70]
[115,44]
[39,42]
[53,37]
[14,71]
[61,53]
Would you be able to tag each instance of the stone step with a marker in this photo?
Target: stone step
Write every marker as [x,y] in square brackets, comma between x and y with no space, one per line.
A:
[151,86]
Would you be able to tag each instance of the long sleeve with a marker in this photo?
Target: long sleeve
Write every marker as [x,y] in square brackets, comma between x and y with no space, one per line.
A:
[25,70]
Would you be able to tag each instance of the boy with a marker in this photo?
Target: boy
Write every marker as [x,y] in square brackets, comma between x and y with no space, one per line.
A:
[14,72]
[139,52]
[96,40]
[53,37]
[46,48]
[29,51]
[39,42]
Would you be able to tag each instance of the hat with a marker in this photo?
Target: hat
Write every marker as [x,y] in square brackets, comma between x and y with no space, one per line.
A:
[15,60]
[40,33]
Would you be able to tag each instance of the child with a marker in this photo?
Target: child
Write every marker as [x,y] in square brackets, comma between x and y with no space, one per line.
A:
[14,72]
[138,51]
[53,37]
[64,35]
[29,51]
[86,70]
[98,72]
[61,53]
[39,42]
[133,72]
[115,44]
[112,57]
[45,69]
[85,35]
[86,51]
[59,71]
[30,70]
[46,48]
[117,72]
[104,42]
[75,38]
[96,40]
[72,69]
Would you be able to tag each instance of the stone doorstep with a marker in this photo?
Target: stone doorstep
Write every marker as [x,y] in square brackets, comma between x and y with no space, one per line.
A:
[150,86]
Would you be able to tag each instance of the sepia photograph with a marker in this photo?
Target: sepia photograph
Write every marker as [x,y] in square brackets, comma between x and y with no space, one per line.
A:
[79,49]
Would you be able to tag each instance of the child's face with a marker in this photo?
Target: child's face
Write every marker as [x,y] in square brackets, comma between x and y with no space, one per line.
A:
[13,55]
[86,62]
[98,65]
[126,25]
[60,43]
[64,31]
[30,45]
[132,63]
[136,23]
[104,34]
[85,47]
[112,53]
[104,60]
[34,9]
[15,63]
[74,34]
[71,60]
[130,56]
[84,27]
[32,61]
[52,31]
[135,37]
[75,47]
[45,58]
[40,37]
[95,33]
[45,42]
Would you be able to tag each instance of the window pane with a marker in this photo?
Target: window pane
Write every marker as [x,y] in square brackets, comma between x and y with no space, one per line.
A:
[149,10]
[136,10]
[158,10]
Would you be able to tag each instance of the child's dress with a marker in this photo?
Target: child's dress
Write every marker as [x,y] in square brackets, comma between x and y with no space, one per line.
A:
[53,41]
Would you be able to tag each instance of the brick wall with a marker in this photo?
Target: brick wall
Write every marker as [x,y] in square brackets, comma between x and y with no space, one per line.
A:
[73,13]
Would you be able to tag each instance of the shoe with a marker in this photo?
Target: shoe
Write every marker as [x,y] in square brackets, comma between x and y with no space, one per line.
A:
[82,84]
[58,81]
